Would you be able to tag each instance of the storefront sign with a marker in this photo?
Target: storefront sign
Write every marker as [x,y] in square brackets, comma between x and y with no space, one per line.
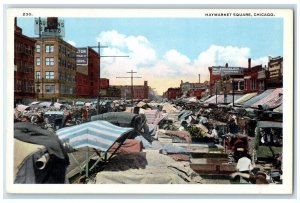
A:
[261,74]
[227,71]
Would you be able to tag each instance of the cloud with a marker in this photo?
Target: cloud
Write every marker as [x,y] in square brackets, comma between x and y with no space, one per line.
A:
[137,47]
[72,43]
[169,69]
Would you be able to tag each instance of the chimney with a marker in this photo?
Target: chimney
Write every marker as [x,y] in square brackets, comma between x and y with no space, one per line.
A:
[226,65]
[199,78]
[181,81]
[249,62]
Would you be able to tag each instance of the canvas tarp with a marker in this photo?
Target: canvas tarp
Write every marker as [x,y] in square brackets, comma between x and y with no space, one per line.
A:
[255,99]
[243,99]
[221,100]
[147,168]
[122,119]
[272,100]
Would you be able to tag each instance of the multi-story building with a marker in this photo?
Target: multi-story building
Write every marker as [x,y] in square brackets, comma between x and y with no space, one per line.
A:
[23,67]
[87,76]
[224,80]
[55,68]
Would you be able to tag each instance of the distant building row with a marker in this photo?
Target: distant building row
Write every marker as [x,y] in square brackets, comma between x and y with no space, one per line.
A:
[233,80]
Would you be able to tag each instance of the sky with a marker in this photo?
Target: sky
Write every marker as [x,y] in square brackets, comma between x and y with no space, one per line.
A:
[165,51]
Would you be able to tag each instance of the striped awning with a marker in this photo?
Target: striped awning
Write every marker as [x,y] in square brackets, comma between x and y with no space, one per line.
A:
[98,134]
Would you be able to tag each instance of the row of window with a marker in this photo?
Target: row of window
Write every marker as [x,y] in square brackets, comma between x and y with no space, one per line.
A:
[24,86]
[50,89]
[23,49]
[50,75]
[49,61]
[49,48]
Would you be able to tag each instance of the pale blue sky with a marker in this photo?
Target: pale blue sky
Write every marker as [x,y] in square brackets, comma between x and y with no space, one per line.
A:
[190,36]
[165,51]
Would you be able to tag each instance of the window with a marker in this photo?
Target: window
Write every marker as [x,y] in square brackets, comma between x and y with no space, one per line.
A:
[49,75]
[37,88]
[253,86]
[261,85]
[37,75]
[49,48]
[37,48]
[242,84]
[49,88]
[37,61]
[49,61]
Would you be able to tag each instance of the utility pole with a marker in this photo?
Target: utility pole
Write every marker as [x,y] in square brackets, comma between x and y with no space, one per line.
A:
[98,86]
[131,77]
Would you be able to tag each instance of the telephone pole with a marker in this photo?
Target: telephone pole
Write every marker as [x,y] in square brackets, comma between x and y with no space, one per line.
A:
[131,77]
[99,82]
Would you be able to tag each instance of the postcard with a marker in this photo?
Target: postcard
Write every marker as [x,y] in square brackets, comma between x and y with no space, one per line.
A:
[149,101]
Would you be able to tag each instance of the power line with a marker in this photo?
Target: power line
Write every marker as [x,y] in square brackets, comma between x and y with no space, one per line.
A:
[131,77]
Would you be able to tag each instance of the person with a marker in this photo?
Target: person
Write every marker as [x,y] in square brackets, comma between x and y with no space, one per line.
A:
[232,126]
[258,178]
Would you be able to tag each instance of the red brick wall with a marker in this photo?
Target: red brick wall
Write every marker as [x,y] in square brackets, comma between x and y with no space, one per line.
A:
[24,60]
[82,85]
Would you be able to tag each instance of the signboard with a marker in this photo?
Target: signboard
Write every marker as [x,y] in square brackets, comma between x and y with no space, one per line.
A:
[261,74]
[51,26]
[82,56]
[227,71]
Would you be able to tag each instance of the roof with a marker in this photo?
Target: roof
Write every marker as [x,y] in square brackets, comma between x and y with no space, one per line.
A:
[272,100]
[220,98]
[269,124]
[255,99]
[243,99]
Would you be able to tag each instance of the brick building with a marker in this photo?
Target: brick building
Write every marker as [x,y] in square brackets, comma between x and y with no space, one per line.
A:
[139,91]
[55,68]
[173,93]
[23,67]
[223,79]
[254,78]
[87,76]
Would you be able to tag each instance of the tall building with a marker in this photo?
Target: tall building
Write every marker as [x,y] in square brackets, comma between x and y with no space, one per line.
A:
[87,76]
[23,67]
[55,68]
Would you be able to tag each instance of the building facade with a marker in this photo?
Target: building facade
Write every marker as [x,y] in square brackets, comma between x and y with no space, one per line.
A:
[87,76]
[254,78]
[225,79]
[140,92]
[23,67]
[173,93]
[55,68]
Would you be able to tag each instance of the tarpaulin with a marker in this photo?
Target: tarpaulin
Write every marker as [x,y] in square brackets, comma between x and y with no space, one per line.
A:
[147,168]
[272,100]
[181,134]
[129,146]
[255,99]
[95,134]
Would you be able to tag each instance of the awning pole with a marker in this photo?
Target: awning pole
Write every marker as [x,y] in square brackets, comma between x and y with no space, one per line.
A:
[87,163]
